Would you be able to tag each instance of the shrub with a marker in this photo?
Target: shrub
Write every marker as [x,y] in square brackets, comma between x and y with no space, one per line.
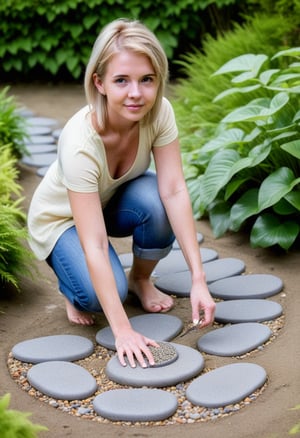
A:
[14,423]
[252,164]
[14,256]
[12,125]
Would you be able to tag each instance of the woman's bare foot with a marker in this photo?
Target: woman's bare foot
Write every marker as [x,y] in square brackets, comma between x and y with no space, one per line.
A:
[77,316]
[152,299]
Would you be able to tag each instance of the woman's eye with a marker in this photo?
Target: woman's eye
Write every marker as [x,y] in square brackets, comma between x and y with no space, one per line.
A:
[120,81]
[148,79]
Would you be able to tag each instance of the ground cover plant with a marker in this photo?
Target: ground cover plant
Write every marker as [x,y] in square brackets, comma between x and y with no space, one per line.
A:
[248,173]
[14,423]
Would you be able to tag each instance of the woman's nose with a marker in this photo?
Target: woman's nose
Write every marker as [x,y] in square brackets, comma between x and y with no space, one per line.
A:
[134,90]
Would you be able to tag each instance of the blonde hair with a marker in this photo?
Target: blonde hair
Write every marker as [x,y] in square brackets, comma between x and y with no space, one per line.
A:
[123,34]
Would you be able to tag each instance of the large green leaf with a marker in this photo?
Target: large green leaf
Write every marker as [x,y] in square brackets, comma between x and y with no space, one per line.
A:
[219,218]
[246,63]
[293,148]
[236,90]
[245,207]
[224,139]
[294,199]
[294,51]
[275,187]
[217,174]
[256,155]
[269,231]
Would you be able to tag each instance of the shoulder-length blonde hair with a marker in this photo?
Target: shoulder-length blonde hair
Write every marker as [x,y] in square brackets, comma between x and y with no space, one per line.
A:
[123,34]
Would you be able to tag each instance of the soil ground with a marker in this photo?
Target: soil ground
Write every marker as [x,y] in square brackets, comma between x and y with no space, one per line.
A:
[38,310]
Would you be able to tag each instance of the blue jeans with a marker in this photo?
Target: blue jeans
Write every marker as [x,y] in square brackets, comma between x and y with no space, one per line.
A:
[135,210]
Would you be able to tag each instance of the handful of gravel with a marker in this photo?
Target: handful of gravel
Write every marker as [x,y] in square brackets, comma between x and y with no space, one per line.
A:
[163,355]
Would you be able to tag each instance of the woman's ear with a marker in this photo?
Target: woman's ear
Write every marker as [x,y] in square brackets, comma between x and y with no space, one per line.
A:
[98,84]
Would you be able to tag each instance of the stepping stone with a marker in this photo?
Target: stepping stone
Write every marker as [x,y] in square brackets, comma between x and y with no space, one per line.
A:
[40,139]
[62,380]
[42,171]
[235,311]
[41,148]
[56,133]
[41,121]
[226,385]
[246,286]
[57,347]
[38,130]
[234,340]
[200,239]
[40,160]
[189,363]
[175,261]
[24,112]
[179,283]
[135,404]
[157,326]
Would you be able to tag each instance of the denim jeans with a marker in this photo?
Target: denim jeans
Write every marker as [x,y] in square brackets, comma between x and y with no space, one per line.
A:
[135,210]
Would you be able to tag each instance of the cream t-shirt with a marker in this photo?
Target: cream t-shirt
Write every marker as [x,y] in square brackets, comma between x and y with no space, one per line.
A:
[81,167]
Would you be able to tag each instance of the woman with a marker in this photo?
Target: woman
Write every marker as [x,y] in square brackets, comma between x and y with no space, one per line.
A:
[100,186]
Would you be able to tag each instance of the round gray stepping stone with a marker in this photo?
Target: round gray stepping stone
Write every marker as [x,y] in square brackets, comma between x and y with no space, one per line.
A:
[157,326]
[56,133]
[38,130]
[246,286]
[235,311]
[40,139]
[41,148]
[41,121]
[179,283]
[56,347]
[40,160]
[189,363]
[234,340]
[175,261]
[24,112]
[226,385]
[62,380]
[41,171]
[200,239]
[135,404]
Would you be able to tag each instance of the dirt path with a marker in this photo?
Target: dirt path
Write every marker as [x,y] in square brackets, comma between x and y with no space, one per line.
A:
[38,311]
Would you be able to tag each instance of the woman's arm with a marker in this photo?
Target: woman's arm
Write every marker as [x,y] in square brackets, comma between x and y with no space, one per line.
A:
[176,200]
[89,222]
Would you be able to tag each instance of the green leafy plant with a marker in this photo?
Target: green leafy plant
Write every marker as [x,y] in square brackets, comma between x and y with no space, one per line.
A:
[15,424]
[250,171]
[12,125]
[50,38]
[15,257]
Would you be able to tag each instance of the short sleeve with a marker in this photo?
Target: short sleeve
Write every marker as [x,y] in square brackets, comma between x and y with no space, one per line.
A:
[165,125]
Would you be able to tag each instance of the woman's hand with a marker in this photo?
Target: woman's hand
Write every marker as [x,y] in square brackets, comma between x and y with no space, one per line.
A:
[134,346]
[203,306]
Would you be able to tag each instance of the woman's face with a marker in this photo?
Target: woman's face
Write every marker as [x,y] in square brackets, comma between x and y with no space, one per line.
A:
[130,86]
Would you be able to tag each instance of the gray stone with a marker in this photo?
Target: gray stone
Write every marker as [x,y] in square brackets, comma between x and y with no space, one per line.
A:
[179,283]
[157,326]
[56,347]
[175,261]
[39,160]
[41,171]
[41,121]
[189,363]
[38,130]
[234,340]
[62,380]
[40,139]
[135,404]
[246,286]
[40,148]
[235,311]
[226,385]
